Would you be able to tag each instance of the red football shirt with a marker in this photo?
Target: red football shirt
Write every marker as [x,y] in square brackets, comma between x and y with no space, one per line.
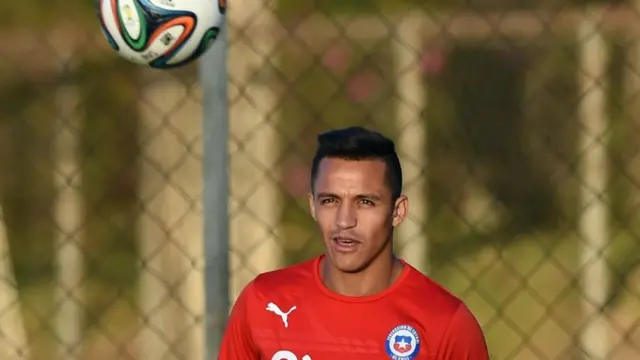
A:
[289,314]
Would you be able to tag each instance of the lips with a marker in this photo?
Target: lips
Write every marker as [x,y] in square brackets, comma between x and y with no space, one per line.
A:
[344,244]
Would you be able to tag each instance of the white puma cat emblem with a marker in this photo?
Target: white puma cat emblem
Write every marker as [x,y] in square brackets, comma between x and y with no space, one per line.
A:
[283,315]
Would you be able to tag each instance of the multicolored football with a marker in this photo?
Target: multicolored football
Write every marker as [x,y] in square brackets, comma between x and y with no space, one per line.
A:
[161,33]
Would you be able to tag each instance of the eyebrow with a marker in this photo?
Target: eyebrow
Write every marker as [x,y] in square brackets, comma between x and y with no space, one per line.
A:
[326,195]
[359,196]
[373,197]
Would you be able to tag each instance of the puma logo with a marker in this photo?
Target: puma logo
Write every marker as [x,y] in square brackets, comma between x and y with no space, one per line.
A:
[283,315]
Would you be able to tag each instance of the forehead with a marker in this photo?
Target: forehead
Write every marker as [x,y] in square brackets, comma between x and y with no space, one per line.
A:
[339,175]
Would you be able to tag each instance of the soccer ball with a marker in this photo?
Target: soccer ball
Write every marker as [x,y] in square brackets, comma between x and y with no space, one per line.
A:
[161,33]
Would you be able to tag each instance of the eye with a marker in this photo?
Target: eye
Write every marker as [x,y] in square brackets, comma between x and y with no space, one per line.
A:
[326,201]
[366,202]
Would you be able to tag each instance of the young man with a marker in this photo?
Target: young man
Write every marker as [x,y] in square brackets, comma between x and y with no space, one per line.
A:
[357,301]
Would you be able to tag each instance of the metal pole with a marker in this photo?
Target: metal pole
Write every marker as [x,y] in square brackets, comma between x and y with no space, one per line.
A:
[215,170]
[68,216]
[412,139]
[593,222]
[255,190]
[154,296]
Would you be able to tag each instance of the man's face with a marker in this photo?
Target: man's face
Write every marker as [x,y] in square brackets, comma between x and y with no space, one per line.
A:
[353,207]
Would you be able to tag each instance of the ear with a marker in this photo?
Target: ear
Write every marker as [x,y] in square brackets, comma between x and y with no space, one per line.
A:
[312,207]
[400,210]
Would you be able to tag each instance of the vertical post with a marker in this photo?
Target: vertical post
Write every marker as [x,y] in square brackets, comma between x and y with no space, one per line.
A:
[174,257]
[255,148]
[412,140]
[13,342]
[593,217]
[171,238]
[155,293]
[68,217]
[215,172]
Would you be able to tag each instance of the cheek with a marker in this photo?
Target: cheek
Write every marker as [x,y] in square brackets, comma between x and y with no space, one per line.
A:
[324,220]
[377,226]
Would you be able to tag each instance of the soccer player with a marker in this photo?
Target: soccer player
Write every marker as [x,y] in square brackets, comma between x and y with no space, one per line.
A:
[358,301]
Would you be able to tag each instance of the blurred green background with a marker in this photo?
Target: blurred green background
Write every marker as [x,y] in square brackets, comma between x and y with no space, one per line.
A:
[502,117]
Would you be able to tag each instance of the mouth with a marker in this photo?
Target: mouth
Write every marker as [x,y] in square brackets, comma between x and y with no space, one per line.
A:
[344,244]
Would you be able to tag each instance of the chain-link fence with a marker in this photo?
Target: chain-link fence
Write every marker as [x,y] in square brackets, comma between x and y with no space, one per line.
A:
[517,123]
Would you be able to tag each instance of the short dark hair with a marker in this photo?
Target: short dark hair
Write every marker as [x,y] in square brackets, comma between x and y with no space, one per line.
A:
[357,143]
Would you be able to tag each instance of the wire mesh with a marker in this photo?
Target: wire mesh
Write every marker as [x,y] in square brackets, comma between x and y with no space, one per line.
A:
[516,123]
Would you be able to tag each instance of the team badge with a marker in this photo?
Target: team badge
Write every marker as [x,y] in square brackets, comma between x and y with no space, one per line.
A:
[403,343]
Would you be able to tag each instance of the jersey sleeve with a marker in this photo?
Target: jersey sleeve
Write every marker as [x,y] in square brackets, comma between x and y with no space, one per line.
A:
[463,339]
[236,341]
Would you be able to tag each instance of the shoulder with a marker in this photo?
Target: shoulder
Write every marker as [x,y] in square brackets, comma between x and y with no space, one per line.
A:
[422,289]
[287,281]
[442,316]
[434,306]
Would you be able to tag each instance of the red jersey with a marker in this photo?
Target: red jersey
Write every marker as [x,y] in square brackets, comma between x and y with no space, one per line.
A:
[289,314]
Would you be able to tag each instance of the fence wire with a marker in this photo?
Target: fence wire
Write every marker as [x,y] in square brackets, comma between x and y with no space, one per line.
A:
[517,124]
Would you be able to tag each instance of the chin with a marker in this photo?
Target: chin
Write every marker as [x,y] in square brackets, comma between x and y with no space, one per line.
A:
[347,264]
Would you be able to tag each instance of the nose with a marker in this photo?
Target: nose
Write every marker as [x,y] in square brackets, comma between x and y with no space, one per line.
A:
[346,216]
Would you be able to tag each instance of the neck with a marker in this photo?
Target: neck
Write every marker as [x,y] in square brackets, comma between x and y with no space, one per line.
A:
[376,277]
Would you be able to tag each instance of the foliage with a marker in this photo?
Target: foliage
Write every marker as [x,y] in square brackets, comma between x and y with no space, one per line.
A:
[46,14]
[110,94]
